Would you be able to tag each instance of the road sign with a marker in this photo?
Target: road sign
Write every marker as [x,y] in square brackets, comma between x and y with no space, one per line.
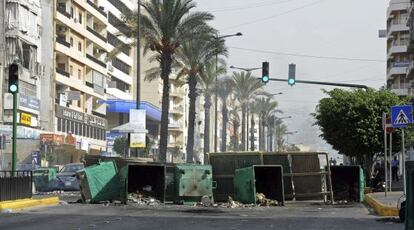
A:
[401,115]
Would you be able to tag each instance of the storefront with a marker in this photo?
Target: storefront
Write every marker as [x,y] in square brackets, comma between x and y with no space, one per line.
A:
[83,126]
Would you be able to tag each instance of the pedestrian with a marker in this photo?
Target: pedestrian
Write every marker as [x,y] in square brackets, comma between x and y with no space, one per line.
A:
[395,163]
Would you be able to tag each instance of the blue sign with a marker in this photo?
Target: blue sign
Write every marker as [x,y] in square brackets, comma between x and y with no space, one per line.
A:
[401,115]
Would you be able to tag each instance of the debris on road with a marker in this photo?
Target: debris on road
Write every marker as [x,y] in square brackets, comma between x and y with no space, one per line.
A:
[263,201]
[142,199]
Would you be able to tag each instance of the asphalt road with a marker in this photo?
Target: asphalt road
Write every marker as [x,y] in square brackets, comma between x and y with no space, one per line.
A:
[292,216]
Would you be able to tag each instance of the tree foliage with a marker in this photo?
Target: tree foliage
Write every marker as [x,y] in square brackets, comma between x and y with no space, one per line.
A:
[121,145]
[351,121]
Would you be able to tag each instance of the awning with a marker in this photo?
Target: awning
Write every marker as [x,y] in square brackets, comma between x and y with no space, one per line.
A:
[123,106]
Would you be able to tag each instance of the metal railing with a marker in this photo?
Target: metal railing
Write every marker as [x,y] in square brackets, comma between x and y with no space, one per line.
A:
[96,60]
[62,72]
[63,11]
[99,9]
[100,36]
[17,186]
[62,41]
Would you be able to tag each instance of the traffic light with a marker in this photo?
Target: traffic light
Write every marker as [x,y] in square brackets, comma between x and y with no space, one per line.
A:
[265,72]
[13,78]
[292,74]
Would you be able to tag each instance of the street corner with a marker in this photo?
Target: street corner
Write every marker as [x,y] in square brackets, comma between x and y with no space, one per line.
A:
[380,208]
[15,205]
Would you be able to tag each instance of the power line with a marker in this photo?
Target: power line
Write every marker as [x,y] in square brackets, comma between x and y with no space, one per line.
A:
[248,7]
[308,56]
[273,16]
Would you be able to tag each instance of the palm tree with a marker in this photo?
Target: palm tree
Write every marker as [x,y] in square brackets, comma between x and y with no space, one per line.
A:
[254,109]
[235,122]
[281,130]
[192,58]
[224,90]
[207,83]
[165,25]
[245,87]
[266,107]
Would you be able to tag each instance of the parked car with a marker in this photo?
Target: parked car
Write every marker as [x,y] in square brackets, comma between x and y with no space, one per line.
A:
[66,178]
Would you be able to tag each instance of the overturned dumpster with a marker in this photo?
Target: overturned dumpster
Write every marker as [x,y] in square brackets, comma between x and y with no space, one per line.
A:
[99,183]
[303,177]
[43,177]
[348,183]
[259,179]
[193,182]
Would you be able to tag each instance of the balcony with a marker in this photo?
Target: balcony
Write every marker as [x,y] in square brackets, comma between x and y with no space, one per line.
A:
[99,9]
[398,68]
[178,110]
[397,5]
[62,41]
[410,69]
[63,12]
[402,89]
[398,47]
[97,61]
[62,72]
[397,26]
[103,38]
[174,125]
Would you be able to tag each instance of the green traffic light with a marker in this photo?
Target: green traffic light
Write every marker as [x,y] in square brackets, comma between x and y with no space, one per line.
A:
[13,88]
[265,79]
[291,81]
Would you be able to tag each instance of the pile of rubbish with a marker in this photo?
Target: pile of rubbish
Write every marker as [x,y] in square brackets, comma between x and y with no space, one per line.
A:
[261,200]
[141,198]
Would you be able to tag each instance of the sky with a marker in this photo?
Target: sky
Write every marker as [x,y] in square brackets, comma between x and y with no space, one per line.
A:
[324,28]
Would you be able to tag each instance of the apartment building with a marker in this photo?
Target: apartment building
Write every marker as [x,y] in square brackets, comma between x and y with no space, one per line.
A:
[410,25]
[399,50]
[20,39]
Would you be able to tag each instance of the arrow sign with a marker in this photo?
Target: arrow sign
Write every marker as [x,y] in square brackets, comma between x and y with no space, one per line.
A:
[401,115]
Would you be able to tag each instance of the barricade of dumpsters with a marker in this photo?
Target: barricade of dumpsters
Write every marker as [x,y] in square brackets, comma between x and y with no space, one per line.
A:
[235,178]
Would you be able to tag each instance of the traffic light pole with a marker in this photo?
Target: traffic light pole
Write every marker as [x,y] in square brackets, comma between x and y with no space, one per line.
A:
[14,152]
[323,83]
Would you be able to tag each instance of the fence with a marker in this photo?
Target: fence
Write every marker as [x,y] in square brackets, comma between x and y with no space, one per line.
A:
[13,187]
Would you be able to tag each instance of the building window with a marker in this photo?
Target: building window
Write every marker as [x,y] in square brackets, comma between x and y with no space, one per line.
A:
[80,17]
[71,70]
[59,124]
[71,42]
[76,132]
[63,125]
[71,12]
[79,74]
[80,46]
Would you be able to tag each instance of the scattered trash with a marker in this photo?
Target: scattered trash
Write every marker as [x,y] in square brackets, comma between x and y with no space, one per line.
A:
[206,201]
[7,210]
[142,199]
[263,201]
[62,202]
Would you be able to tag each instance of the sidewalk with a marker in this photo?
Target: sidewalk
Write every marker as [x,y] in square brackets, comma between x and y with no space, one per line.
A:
[13,205]
[384,205]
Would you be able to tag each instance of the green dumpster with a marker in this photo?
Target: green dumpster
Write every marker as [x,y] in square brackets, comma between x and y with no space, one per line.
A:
[42,178]
[348,183]
[265,179]
[193,182]
[409,201]
[99,183]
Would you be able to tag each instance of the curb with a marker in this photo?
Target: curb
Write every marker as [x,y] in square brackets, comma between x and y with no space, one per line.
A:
[380,208]
[28,203]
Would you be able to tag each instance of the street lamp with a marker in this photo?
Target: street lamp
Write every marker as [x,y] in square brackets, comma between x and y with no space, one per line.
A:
[244,69]
[216,93]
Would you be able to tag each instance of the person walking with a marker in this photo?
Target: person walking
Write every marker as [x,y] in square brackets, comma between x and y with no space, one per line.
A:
[395,163]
